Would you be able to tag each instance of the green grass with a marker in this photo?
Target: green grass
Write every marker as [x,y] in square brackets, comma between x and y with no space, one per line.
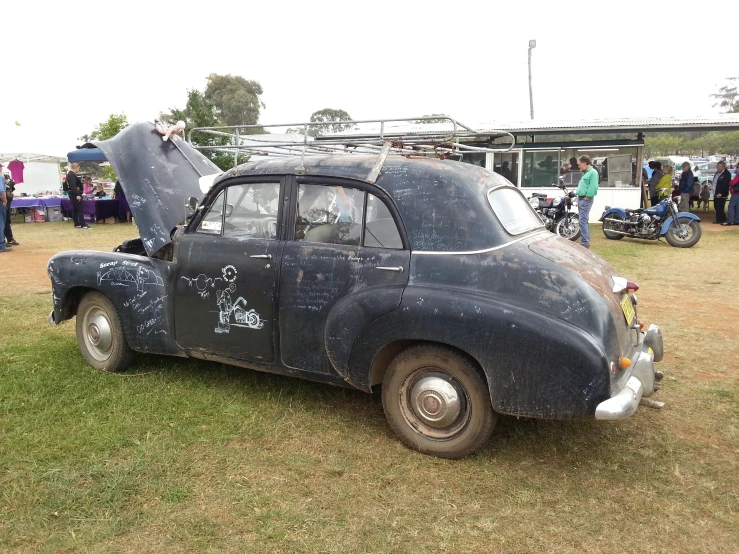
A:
[187,456]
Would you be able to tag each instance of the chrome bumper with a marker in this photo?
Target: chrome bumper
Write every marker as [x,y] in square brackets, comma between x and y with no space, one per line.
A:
[641,382]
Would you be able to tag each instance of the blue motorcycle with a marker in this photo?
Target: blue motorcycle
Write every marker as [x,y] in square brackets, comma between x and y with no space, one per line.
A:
[680,229]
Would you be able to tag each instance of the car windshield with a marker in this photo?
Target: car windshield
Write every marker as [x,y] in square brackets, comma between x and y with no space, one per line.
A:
[513,211]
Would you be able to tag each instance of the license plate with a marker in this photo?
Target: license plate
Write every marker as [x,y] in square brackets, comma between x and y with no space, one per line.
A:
[628,308]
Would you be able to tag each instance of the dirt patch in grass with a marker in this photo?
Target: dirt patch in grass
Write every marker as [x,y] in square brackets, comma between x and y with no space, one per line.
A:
[189,456]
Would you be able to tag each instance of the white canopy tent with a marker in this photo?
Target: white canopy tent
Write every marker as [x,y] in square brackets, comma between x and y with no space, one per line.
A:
[41,172]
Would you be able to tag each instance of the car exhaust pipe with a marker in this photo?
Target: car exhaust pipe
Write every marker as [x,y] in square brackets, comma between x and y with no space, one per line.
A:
[618,232]
[649,403]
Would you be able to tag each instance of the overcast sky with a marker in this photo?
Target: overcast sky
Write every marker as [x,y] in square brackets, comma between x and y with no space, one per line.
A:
[68,65]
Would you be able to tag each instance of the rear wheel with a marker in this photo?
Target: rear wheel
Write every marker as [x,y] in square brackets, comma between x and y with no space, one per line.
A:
[100,335]
[684,233]
[437,402]
[610,226]
[568,227]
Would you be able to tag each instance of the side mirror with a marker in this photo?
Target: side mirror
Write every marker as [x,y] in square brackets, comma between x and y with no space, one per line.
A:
[192,204]
[229,209]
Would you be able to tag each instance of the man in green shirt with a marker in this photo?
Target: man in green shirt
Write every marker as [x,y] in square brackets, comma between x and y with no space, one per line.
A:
[586,191]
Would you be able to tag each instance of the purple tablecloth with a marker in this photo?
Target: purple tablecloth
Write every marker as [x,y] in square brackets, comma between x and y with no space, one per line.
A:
[98,209]
[43,203]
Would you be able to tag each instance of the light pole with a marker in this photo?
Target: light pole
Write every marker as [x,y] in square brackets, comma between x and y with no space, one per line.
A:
[532,45]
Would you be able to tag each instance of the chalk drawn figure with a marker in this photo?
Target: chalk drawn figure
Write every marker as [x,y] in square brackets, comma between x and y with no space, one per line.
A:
[241,316]
[202,282]
[124,276]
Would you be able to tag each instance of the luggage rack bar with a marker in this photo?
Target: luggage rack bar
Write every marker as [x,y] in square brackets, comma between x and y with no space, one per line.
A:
[440,137]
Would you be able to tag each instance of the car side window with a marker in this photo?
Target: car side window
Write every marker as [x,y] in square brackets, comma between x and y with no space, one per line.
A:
[380,230]
[329,214]
[212,221]
[251,211]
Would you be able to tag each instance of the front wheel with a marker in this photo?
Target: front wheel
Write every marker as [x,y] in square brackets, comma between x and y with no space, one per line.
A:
[684,233]
[568,226]
[100,335]
[611,228]
[437,402]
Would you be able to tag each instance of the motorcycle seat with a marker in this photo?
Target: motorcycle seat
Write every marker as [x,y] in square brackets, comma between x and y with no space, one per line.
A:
[545,203]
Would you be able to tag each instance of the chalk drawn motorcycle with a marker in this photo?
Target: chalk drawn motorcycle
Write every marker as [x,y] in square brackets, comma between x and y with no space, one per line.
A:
[680,229]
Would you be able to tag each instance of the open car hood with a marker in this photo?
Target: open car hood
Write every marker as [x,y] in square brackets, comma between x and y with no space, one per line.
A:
[157,177]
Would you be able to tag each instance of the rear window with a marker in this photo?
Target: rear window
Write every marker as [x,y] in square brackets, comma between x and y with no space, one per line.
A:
[513,211]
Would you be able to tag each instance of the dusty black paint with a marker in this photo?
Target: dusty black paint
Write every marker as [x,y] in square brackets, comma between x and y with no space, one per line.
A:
[535,311]
[157,176]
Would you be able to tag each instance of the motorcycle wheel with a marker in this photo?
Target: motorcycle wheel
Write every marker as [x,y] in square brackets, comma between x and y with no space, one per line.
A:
[610,226]
[568,227]
[686,237]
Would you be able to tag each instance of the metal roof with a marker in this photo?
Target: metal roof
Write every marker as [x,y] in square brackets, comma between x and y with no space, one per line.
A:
[720,122]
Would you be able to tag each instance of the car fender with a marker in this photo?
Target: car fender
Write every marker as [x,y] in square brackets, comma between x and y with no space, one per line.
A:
[139,287]
[612,211]
[536,365]
[668,221]
[351,315]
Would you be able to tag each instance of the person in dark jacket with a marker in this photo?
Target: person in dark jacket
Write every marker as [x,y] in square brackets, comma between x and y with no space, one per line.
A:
[75,197]
[720,191]
[654,179]
[686,187]
[9,190]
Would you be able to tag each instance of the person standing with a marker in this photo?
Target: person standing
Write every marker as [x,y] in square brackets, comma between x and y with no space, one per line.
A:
[653,182]
[3,202]
[721,190]
[686,187]
[9,191]
[664,187]
[75,197]
[586,191]
[733,215]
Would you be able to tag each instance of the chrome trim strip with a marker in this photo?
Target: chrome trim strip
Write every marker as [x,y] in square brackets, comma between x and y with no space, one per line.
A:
[435,253]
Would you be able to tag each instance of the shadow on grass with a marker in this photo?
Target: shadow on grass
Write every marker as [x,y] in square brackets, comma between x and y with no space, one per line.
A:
[557,443]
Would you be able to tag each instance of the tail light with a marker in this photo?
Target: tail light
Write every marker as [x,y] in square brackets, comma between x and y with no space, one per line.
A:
[622,285]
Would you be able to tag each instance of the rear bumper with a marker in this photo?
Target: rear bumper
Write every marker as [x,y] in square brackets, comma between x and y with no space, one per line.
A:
[641,382]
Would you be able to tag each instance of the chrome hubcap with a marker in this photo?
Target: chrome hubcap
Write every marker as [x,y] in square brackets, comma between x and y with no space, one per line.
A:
[436,402]
[99,336]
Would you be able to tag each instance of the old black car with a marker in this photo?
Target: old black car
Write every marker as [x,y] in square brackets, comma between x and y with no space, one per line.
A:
[433,279]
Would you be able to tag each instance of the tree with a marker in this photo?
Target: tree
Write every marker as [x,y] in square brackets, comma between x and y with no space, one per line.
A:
[333,118]
[110,128]
[236,100]
[664,145]
[425,121]
[200,112]
[727,96]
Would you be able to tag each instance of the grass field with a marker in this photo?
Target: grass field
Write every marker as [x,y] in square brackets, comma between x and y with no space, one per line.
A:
[189,456]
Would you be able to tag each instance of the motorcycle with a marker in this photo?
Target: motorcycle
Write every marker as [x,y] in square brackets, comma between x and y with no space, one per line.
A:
[680,229]
[556,213]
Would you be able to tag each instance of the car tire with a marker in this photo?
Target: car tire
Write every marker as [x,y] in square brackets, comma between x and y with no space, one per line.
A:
[608,227]
[100,335]
[692,236]
[437,402]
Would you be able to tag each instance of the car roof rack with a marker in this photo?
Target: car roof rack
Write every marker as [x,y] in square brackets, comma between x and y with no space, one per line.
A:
[428,136]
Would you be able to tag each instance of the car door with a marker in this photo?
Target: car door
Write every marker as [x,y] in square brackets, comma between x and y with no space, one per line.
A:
[226,274]
[345,266]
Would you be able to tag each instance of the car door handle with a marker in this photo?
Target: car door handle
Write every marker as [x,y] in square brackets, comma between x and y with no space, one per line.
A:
[395,269]
[262,256]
